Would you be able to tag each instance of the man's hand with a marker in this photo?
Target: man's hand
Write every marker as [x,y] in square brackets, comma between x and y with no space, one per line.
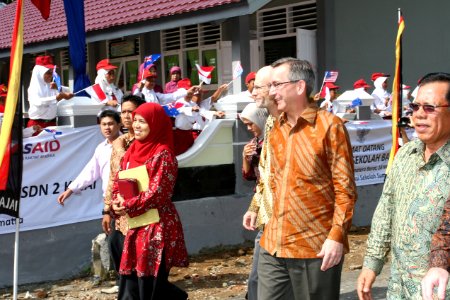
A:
[364,285]
[435,277]
[64,195]
[106,224]
[249,220]
[331,253]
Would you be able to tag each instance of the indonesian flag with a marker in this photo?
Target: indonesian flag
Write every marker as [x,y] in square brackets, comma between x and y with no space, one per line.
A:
[96,92]
[204,73]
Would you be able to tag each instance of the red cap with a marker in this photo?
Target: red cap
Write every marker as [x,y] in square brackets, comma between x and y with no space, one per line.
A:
[148,74]
[331,85]
[376,75]
[250,76]
[105,64]
[45,61]
[184,83]
[360,83]
[3,90]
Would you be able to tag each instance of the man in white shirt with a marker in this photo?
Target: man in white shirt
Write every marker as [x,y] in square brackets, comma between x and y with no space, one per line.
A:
[145,90]
[98,166]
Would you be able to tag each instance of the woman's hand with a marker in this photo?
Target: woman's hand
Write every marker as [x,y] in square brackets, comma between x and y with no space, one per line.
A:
[118,206]
[249,150]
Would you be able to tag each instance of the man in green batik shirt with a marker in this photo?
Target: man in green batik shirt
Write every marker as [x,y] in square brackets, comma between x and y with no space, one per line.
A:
[414,194]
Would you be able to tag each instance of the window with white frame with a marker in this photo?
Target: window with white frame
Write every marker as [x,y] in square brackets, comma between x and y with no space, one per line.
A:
[282,21]
[190,45]
[277,26]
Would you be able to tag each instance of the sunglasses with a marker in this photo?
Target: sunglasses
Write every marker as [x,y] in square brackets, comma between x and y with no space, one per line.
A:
[428,108]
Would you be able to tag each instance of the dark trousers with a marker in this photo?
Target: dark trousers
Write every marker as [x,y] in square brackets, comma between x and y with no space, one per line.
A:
[133,287]
[296,279]
[115,245]
[252,286]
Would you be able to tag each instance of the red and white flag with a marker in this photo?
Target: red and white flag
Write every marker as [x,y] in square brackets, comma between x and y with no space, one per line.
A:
[96,92]
[237,70]
[204,73]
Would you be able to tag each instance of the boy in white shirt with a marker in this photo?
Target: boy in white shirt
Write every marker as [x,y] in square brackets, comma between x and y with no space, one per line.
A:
[98,166]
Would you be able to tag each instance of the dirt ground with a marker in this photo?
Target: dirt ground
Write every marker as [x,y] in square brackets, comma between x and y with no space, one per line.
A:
[219,273]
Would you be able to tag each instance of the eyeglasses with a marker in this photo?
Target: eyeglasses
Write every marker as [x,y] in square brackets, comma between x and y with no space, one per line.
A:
[428,108]
[276,85]
[260,87]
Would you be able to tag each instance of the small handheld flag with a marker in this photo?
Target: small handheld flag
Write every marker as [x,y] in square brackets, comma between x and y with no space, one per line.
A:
[96,92]
[331,76]
[148,60]
[171,109]
[204,73]
[237,70]
[56,79]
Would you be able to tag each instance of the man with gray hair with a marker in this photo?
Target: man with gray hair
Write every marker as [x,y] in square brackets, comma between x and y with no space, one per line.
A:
[260,209]
[314,191]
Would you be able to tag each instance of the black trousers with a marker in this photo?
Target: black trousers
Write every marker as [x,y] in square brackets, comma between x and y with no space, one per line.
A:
[132,287]
[115,245]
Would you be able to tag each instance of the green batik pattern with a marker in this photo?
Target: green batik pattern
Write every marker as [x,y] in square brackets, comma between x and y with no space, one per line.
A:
[407,215]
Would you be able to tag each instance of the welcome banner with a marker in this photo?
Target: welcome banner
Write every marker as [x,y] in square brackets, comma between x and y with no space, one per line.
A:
[371,145]
[50,163]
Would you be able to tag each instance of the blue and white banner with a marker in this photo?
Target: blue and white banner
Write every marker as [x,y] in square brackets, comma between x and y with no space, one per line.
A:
[50,162]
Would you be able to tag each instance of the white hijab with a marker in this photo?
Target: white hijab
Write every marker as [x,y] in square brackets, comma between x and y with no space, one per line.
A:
[108,88]
[379,91]
[255,115]
[38,87]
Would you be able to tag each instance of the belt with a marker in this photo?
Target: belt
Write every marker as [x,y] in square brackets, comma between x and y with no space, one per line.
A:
[45,121]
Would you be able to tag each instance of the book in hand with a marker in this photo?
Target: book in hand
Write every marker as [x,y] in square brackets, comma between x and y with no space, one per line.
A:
[128,187]
[136,180]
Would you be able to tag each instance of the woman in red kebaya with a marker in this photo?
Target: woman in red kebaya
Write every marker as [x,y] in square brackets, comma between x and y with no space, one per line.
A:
[151,250]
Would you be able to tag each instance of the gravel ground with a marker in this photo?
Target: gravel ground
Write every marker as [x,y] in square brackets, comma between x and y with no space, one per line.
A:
[216,274]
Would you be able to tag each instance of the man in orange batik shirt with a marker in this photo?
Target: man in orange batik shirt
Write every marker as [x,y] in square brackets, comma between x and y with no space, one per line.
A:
[313,189]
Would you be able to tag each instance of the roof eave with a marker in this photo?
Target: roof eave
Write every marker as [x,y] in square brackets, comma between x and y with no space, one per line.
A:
[196,17]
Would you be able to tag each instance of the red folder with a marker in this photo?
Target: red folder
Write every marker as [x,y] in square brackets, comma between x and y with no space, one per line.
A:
[128,187]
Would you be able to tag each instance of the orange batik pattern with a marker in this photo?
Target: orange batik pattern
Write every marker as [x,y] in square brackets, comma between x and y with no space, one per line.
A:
[313,185]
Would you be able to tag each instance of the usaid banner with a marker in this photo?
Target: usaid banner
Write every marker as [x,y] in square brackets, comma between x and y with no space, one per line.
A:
[371,145]
[50,162]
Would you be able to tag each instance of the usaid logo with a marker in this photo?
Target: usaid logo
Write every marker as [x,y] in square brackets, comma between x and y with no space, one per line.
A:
[42,147]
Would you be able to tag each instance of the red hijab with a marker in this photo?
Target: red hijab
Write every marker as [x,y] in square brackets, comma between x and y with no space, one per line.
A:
[160,137]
